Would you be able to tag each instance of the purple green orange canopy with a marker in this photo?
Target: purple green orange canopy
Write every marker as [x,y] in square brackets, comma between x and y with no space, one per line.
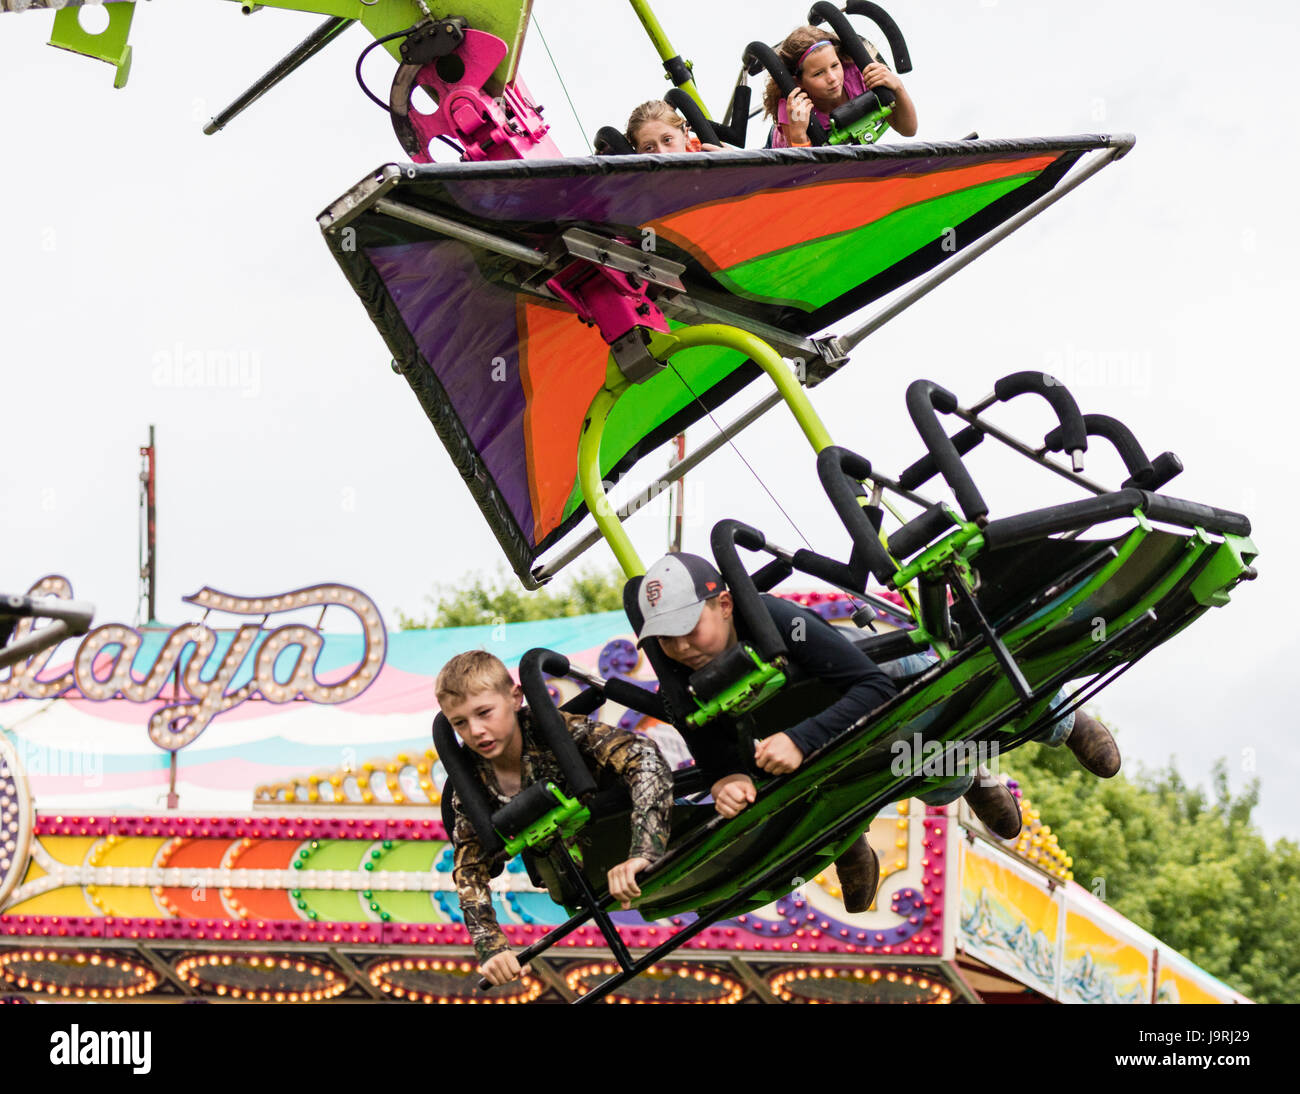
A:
[795,239]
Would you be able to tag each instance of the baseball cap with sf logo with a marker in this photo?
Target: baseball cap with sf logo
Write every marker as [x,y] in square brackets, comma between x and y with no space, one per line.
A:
[673,593]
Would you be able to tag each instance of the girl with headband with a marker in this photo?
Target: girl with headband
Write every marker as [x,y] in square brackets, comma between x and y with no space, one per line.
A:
[825,81]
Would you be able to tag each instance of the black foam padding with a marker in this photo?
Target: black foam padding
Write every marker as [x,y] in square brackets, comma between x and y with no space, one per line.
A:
[757,622]
[719,674]
[519,812]
[689,109]
[471,793]
[1119,435]
[534,666]
[829,569]
[585,702]
[867,103]
[772,574]
[737,132]
[612,142]
[636,698]
[920,530]
[925,468]
[1073,432]
[766,57]
[840,471]
[825,12]
[924,398]
[1192,514]
[893,35]
[1164,467]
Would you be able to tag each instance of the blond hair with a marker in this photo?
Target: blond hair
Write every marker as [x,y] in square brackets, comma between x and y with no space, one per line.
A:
[656,110]
[469,674]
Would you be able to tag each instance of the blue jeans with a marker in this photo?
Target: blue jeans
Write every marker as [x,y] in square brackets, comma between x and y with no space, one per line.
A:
[1054,735]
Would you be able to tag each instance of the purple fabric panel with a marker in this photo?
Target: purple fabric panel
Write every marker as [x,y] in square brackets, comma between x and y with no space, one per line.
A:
[462,324]
[667,185]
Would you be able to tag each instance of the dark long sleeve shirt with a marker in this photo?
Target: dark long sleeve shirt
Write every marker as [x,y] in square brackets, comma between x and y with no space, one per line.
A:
[820,651]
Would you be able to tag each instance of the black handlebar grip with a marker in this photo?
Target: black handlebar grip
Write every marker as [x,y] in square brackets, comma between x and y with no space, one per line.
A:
[533,668]
[924,397]
[736,132]
[1074,434]
[894,36]
[919,531]
[964,440]
[772,574]
[520,811]
[828,569]
[469,791]
[767,57]
[610,142]
[841,472]
[1163,468]
[825,12]
[690,110]
[586,702]
[1115,431]
[749,607]
[640,699]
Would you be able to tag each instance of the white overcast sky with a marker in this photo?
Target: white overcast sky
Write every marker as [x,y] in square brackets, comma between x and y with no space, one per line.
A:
[131,240]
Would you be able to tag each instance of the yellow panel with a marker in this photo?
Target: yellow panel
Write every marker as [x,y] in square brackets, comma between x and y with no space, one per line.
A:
[34,871]
[1009,921]
[1102,967]
[133,851]
[70,849]
[128,900]
[69,900]
[1174,987]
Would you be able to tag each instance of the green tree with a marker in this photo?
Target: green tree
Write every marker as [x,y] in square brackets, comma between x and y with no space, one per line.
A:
[478,600]
[1184,863]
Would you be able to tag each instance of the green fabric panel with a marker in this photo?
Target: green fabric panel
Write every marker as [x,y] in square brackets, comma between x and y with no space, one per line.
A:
[647,406]
[813,274]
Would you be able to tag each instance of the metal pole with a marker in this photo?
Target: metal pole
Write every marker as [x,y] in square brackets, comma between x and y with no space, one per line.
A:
[678,70]
[149,571]
[845,342]
[443,226]
[677,515]
[322,36]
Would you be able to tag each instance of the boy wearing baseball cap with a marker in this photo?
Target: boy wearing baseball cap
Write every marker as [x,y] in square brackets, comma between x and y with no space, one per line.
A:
[688,609]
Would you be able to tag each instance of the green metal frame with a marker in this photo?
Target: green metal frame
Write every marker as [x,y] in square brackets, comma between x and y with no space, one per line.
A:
[566,819]
[664,347]
[380,17]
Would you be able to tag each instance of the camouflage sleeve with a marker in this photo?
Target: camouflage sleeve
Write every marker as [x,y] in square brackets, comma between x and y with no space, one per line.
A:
[472,873]
[636,761]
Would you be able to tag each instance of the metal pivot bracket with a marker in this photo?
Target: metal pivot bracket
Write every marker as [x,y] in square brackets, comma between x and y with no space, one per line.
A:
[615,255]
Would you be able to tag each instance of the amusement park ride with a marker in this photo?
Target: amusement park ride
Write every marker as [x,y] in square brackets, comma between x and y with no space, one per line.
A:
[624,297]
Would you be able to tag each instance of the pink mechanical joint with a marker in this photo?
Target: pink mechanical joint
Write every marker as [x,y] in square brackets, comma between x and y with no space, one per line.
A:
[617,304]
[487,128]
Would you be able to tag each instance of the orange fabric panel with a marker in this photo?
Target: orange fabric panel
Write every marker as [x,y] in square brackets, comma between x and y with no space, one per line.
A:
[775,219]
[561,366]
